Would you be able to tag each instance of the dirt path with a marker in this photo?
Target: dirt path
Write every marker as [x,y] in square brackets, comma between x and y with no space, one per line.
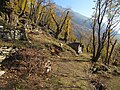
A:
[70,74]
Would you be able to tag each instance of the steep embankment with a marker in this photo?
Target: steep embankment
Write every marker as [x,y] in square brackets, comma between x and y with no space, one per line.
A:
[27,69]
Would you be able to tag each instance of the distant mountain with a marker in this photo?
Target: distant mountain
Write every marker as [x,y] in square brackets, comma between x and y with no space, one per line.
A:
[81,24]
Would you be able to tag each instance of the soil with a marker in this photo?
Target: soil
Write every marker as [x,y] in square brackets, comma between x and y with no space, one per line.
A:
[25,69]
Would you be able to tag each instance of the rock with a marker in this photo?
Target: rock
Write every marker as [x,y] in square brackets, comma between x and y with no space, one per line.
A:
[6,53]
[47,67]
[0,49]
[14,50]
[1,73]
[99,68]
[2,58]
[94,69]
[61,44]
[9,49]
[1,27]
[4,48]
[98,85]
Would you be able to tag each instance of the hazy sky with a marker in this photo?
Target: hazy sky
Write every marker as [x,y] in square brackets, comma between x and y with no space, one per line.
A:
[83,7]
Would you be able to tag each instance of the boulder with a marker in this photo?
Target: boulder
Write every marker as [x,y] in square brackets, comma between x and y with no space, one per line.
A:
[2,58]
[47,67]
[1,73]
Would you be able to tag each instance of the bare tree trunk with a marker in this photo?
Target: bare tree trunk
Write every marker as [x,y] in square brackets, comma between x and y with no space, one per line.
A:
[23,9]
[65,37]
[57,33]
[111,51]
[107,49]
[59,26]
[94,48]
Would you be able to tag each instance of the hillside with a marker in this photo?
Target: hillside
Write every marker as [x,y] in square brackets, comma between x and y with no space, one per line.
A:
[81,24]
[35,56]
[21,73]
[24,70]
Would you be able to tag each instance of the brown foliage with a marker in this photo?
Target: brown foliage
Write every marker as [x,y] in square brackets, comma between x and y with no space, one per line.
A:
[24,66]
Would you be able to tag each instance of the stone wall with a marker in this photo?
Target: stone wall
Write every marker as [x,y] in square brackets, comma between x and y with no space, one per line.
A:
[11,33]
[5,52]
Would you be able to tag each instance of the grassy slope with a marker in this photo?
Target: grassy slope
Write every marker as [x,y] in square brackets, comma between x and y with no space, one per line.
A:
[69,72]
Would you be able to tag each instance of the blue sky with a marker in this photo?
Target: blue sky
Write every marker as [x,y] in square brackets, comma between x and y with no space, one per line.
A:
[83,7]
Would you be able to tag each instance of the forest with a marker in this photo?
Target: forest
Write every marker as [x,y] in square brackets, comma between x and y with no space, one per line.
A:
[40,50]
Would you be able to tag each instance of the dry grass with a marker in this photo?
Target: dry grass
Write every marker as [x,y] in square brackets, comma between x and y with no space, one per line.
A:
[69,72]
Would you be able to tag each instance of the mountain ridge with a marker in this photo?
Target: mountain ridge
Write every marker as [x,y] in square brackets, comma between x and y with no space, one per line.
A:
[80,23]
